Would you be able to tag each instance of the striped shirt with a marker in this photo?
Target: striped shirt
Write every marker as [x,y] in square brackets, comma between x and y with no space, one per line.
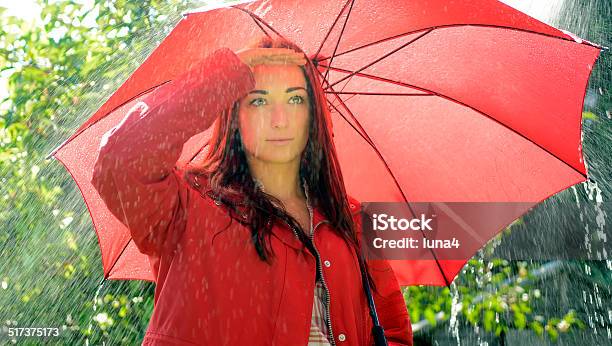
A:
[318,327]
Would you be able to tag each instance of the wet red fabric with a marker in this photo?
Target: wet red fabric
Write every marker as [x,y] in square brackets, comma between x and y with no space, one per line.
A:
[450,101]
[211,287]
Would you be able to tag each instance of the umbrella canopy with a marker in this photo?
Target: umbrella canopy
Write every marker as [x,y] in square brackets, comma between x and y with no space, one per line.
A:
[469,101]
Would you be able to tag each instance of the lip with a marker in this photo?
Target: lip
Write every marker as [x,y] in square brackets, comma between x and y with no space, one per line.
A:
[280,141]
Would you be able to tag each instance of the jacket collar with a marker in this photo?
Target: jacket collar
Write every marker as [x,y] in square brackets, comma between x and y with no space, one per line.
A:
[282,231]
[285,233]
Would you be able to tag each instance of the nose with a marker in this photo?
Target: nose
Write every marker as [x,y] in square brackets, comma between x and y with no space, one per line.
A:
[279,117]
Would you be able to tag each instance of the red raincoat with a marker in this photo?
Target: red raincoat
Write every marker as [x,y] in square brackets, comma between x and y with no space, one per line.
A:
[211,287]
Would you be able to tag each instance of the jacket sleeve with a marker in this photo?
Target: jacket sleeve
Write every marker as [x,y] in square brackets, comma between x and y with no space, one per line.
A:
[135,171]
[390,304]
[389,300]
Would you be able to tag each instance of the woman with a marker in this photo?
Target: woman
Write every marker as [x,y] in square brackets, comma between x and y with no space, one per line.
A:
[257,244]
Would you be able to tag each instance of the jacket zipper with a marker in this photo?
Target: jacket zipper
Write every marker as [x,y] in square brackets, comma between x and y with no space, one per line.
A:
[320,269]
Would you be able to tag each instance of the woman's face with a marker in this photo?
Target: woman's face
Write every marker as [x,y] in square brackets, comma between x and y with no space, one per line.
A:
[274,117]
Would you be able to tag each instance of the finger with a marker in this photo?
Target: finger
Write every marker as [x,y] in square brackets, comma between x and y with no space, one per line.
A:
[282,52]
[286,62]
[285,58]
[291,57]
[274,51]
[275,59]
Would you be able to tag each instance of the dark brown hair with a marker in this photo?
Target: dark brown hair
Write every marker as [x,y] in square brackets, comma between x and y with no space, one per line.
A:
[226,172]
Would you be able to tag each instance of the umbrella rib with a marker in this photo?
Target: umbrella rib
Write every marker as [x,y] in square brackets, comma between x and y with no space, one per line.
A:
[362,133]
[376,94]
[380,58]
[433,93]
[377,78]
[460,25]
[347,99]
[360,130]
[256,17]
[259,25]
[345,85]
[340,37]
[381,79]
[118,257]
[332,27]
[342,89]
[364,136]
[331,103]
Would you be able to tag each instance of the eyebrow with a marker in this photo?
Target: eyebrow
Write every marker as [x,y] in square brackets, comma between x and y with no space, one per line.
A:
[265,92]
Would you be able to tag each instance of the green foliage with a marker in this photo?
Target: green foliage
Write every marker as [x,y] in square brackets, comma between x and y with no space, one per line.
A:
[495,295]
[59,69]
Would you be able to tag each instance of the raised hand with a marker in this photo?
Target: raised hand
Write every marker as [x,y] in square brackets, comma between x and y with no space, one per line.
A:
[270,56]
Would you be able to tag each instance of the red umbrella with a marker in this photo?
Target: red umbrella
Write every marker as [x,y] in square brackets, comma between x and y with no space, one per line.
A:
[465,101]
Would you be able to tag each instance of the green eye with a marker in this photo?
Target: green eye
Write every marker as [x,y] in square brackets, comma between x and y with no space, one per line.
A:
[256,102]
[299,99]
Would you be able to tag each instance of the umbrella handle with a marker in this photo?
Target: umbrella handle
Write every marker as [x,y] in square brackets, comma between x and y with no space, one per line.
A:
[377,330]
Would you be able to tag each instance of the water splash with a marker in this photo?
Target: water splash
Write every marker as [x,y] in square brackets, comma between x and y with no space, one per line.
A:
[95,304]
[453,325]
